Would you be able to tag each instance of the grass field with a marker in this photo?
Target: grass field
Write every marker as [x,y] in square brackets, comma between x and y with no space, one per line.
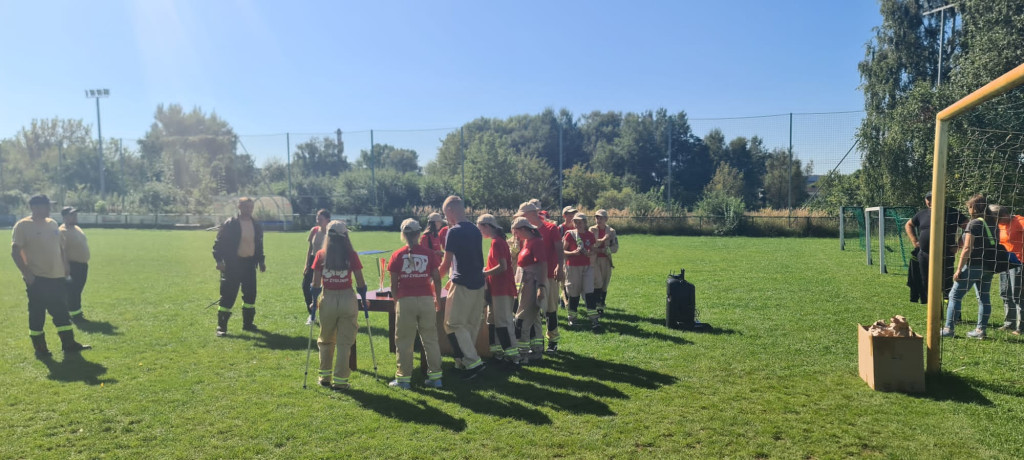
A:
[777,378]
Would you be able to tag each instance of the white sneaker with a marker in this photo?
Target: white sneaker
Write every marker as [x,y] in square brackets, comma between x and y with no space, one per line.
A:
[309,321]
[432,383]
[402,385]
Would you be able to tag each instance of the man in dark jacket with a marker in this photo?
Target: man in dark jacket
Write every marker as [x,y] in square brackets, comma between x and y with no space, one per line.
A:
[238,250]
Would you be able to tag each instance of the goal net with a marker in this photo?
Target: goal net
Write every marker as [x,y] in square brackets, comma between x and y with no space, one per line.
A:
[979,149]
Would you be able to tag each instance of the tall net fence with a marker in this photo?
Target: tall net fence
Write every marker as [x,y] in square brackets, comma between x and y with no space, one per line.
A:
[986,156]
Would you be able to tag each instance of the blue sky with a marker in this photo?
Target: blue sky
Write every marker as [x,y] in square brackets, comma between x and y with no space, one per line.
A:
[271,67]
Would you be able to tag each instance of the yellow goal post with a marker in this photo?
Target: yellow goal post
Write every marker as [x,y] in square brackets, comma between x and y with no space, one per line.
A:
[997,87]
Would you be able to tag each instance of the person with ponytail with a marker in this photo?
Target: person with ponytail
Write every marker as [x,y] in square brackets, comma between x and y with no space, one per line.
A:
[980,238]
[334,268]
[532,261]
[501,287]
[433,238]
[413,269]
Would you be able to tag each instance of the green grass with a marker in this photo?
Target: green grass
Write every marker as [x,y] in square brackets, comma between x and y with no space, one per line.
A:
[778,377]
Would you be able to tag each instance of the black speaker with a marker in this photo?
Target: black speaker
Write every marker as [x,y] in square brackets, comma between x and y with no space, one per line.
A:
[680,302]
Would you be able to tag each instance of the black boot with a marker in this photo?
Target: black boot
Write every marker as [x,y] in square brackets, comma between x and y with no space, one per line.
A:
[247,316]
[39,343]
[68,343]
[222,323]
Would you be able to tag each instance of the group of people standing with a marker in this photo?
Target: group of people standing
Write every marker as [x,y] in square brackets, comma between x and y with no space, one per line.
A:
[514,298]
[985,226]
[54,264]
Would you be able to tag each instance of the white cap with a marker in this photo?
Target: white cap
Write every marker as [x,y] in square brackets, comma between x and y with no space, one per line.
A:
[337,227]
[411,225]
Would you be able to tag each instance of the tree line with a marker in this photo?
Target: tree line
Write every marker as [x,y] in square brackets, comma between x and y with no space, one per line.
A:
[609,159]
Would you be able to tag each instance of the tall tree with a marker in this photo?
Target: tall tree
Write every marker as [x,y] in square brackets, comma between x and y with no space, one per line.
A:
[386,156]
[321,156]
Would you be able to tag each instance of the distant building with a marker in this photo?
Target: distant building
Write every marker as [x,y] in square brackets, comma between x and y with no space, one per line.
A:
[812,183]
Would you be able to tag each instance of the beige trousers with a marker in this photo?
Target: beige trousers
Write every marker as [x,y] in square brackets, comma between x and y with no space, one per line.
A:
[416,315]
[339,322]
[463,312]
[602,273]
[529,306]
[499,313]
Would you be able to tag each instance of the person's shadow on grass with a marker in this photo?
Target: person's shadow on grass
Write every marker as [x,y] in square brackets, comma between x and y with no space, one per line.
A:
[273,340]
[469,398]
[75,368]
[635,331]
[418,412]
[575,364]
[93,327]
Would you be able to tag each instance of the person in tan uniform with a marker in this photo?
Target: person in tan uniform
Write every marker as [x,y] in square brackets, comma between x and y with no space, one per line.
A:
[416,285]
[316,238]
[336,268]
[607,244]
[238,250]
[76,248]
[39,256]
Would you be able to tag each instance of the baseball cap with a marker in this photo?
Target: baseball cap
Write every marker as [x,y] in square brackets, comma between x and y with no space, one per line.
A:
[68,210]
[488,219]
[580,216]
[536,203]
[435,217]
[601,213]
[522,222]
[528,207]
[411,225]
[569,209]
[38,200]
[928,196]
[337,227]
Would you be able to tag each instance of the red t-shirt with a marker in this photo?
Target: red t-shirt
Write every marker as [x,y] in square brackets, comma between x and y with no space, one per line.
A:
[552,245]
[504,283]
[532,252]
[432,243]
[588,240]
[413,267]
[336,280]
[600,234]
[563,228]
[442,235]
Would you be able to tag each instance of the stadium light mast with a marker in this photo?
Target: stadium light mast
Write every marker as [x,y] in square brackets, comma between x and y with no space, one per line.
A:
[942,35]
[97,94]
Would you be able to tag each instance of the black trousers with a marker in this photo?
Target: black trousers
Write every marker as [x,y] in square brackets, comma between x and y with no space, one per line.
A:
[47,294]
[947,273]
[307,280]
[79,274]
[239,272]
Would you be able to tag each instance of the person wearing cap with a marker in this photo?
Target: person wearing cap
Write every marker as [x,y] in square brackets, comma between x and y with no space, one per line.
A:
[578,246]
[501,285]
[238,250]
[433,238]
[532,262]
[464,306]
[316,237]
[567,214]
[76,248]
[552,241]
[416,285]
[39,255]
[334,268]
[918,230]
[607,244]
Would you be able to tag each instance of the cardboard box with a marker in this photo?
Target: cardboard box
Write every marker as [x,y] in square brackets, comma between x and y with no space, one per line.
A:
[891,363]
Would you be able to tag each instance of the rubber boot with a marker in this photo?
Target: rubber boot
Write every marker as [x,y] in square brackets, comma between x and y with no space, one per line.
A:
[222,323]
[68,343]
[39,343]
[248,314]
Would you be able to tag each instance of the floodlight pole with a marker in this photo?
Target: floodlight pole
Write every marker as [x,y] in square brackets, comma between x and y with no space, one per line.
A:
[668,197]
[97,94]
[561,165]
[942,36]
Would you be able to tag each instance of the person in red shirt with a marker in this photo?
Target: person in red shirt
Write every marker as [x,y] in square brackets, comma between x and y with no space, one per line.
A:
[316,238]
[334,267]
[416,285]
[607,244]
[532,261]
[567,214]
[433,238]
[578,246]
[501,287]
[552,241]
[1011,235]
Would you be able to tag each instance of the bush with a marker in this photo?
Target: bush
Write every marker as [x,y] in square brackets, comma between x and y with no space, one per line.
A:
[723,211]
[100,207]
